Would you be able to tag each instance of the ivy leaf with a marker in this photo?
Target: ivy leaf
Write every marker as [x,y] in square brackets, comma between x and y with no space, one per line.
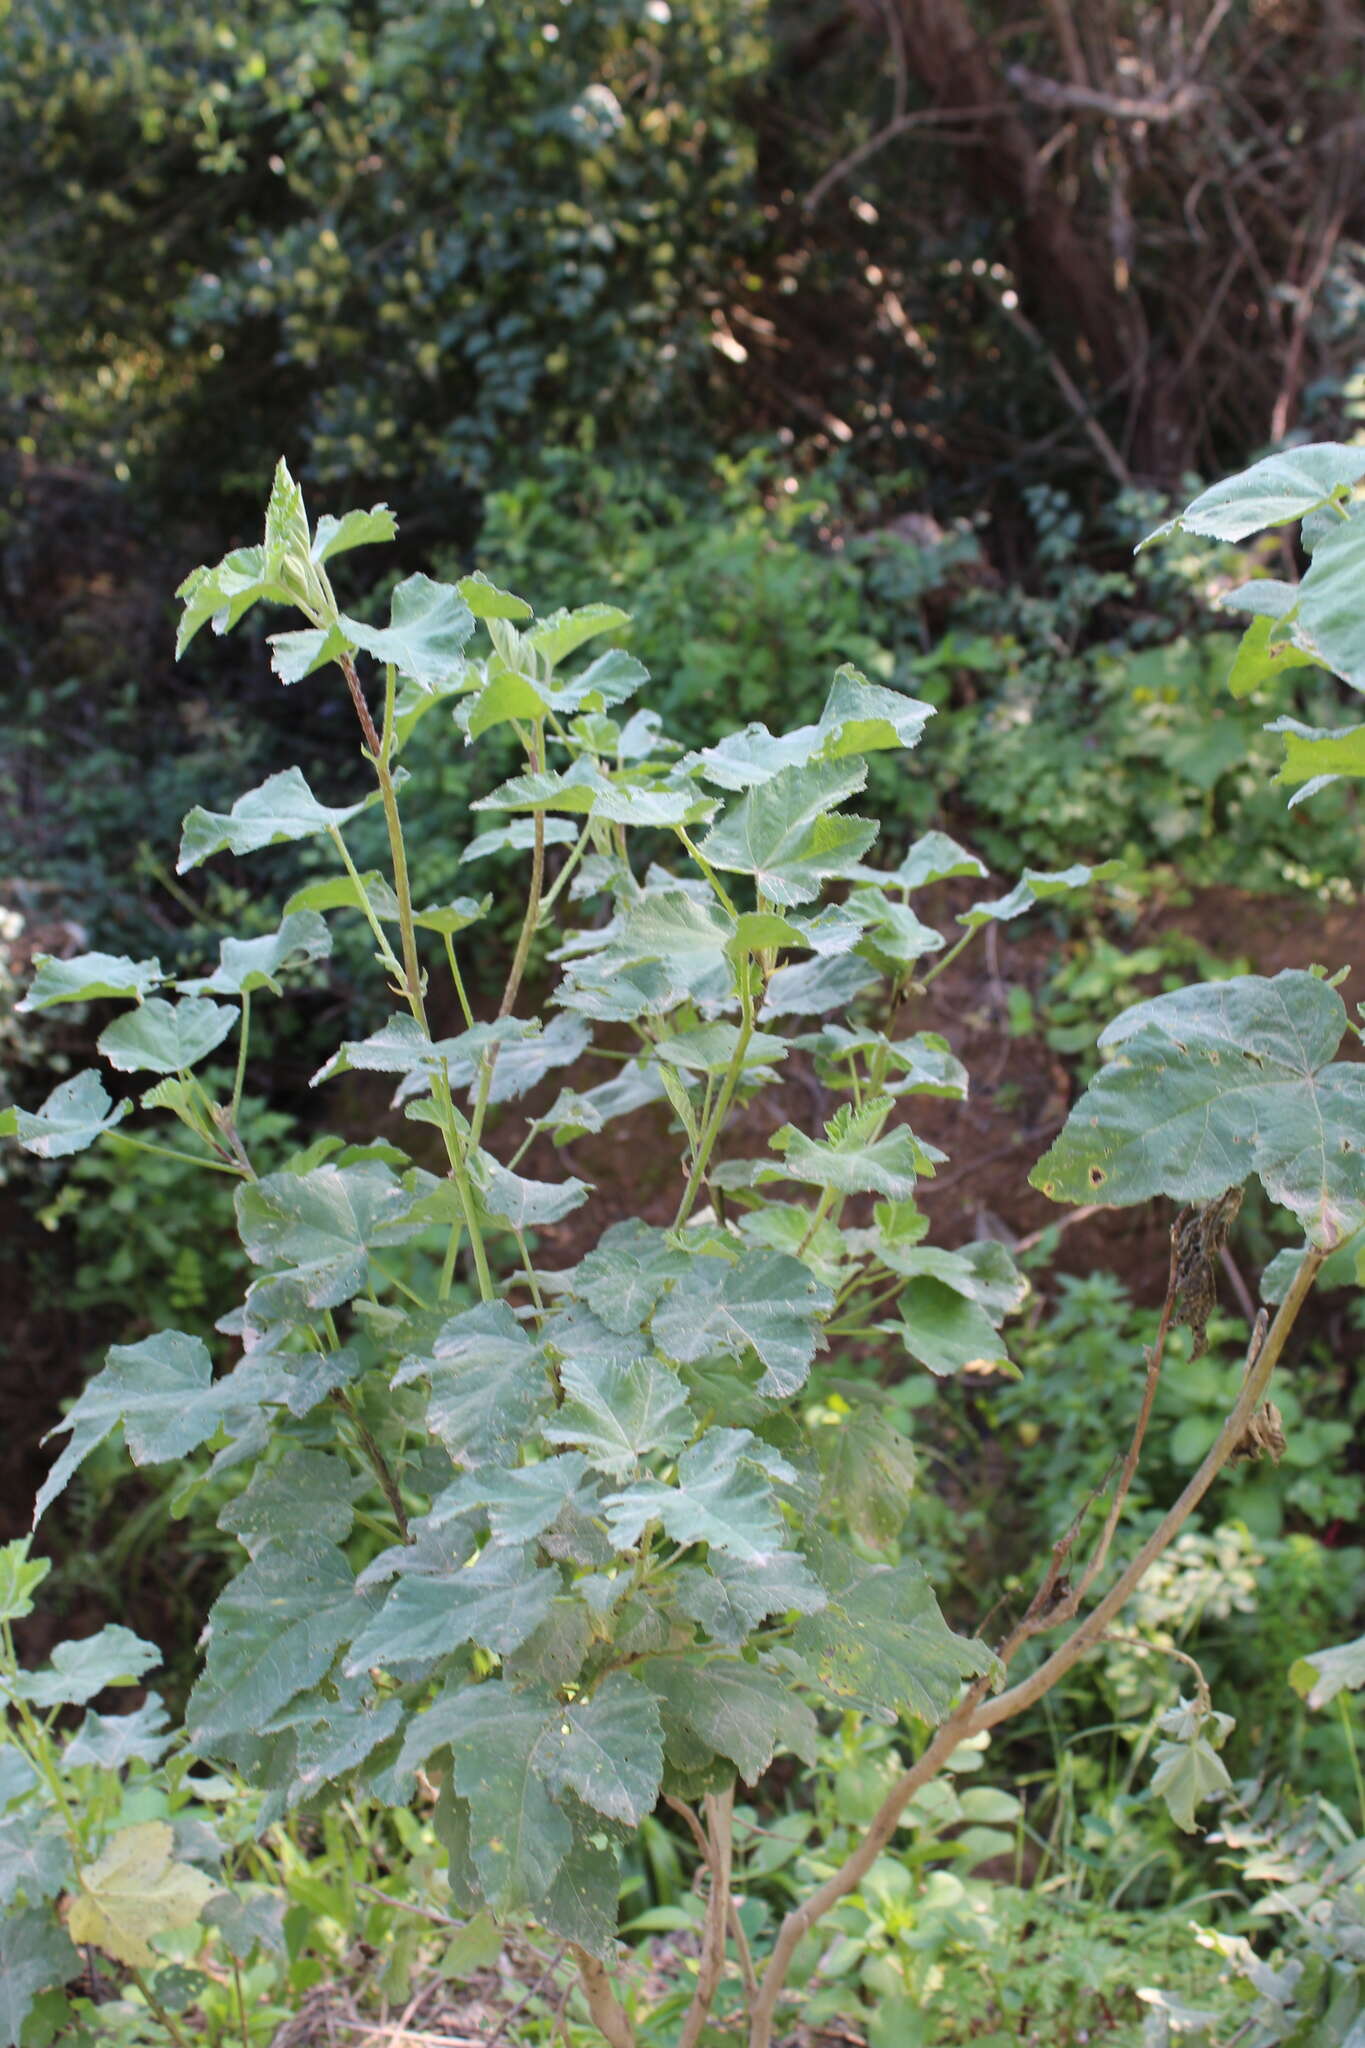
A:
[161,1392]
[319,1228]
[247,964]
[165,1038]
[732,1708]
[1321,1675]
[720,1499]
[272,1633]
[34,1953]
[616,1413]
[33,1860]
[610,1750]
[76,1113]
[134,1890]
[1271,493]
[848,1161]
[883,1640]
[429,627]
[88,978]
[112,1656]
[488,1383]
[1036,886]
[1212,1083]
[109,1741]
[497,1602]
[729,1597]
[784,834]
[762,1301]
[282,808]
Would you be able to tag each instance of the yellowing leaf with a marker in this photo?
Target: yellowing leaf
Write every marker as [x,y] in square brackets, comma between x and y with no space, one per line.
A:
[135,1890]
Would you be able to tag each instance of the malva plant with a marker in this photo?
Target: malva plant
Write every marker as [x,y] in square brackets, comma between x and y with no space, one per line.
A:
[551,1545]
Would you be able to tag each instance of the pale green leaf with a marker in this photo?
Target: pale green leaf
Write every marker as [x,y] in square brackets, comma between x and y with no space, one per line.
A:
[1213,1083]
[785,834]
[76,1113]
[272,1633]
[224,592]
[609,1750]
[564,632]
[308,1494]
[87,978]
[625,1274]
[488,1382]
[497,1601]
[869,1476]
[499,1739]
[522,1204]
[934,857]
[134,1890]
[1271,493]
[109,1741]
[882,1640]
[519,837]
[729,1597]
[1038,887]
[35,1952]
[248,1920]
[34,1860]
[160,1391]
[282,808]
[1322,1674]
[1186,1774]
[20,1577]
[428,630]
[849,1160]
[318,1228]
[78,1670]
[1331,618]
[860,717]
[339,892]
[811,988]
[762,1301]
[247,964]
[617,1413]
[720,1498]
[333,536]
[165,1038]
[1310,752]
[1262,655]
[297,654]
[522,1502]
[487,601]
[732,1708]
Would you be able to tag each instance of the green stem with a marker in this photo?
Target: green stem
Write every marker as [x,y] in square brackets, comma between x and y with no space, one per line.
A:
[243,1040]
[386,952]
[1348,1729]
[576,853]
[376,1460]
[455,976]
[155,2006]
[728,1086]
[186,1158]
[717,887]
[392,1280]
